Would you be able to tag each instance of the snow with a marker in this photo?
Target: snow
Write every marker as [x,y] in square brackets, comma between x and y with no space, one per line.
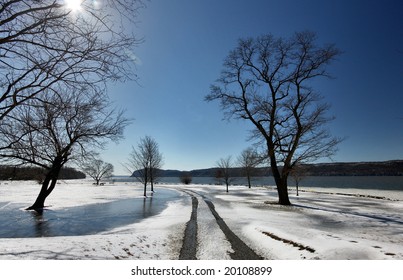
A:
[158,237]
[320,225]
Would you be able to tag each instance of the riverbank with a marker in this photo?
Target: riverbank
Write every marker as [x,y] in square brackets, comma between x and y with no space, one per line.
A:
[392,183]
[319,225]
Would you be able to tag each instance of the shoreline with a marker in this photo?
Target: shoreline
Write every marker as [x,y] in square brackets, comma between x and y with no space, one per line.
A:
[392,183]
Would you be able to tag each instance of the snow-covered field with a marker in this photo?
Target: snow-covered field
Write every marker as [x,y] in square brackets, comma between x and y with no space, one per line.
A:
[320,225]
[155,238]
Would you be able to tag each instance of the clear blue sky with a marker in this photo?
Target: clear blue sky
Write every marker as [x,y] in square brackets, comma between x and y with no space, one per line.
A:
[186,42]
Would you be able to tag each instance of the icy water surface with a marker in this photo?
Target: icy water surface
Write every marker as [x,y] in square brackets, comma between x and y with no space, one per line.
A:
[81,220]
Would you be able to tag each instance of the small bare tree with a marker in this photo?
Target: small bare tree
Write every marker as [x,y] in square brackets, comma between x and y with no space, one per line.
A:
[248,160]
[96,168]
[145,161]
[59,127]
[298,173]
[266,80]
[137,165]
[224,170]
[155,159]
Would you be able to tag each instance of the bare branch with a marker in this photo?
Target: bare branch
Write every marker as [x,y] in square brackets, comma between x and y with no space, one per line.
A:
[44,46]
[145,161]
[267,82]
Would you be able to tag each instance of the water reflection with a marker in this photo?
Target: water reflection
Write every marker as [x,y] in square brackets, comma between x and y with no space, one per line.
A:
[41,226]
[82,220]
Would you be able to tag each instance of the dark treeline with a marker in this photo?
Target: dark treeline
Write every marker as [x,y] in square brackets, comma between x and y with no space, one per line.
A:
[208,172]
[385,168]
[35,173]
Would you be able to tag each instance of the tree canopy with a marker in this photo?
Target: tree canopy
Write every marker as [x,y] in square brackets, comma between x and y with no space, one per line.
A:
[268,81]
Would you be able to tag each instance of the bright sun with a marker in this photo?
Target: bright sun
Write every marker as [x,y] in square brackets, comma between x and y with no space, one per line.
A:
[74,5]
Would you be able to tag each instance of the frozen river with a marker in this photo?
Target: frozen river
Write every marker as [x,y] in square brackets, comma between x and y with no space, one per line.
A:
[81,220]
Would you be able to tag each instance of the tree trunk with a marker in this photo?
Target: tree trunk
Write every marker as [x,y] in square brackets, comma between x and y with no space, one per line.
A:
[248,176]
[39,203]
[145,189]
[145,182]
[47,187]
[152,179]
[282,190]
[297,188]
[281,183]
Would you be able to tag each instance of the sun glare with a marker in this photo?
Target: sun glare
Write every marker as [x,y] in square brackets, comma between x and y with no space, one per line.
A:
[74,5]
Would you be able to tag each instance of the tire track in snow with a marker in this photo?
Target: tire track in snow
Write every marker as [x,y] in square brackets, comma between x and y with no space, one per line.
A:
[189,246]
[241,250]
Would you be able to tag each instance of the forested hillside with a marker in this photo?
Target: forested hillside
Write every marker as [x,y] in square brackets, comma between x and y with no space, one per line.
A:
[385,168]
[35,173]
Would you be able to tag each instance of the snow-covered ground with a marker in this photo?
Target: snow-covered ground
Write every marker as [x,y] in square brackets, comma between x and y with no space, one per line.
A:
[320,225]
[158,237]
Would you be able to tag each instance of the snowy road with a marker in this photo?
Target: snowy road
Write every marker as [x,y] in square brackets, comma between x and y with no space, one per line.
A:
[239,250]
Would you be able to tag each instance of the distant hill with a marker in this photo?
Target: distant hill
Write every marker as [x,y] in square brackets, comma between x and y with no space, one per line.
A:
[384,168]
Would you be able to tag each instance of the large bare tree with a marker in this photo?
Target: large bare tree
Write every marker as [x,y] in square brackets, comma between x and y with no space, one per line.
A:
[54,128]
[268,81]
[45,45]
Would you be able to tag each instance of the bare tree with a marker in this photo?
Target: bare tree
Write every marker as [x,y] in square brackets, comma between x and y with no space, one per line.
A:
[298,173]
[137,165]
[56,128]
[44,45]
[96,168]
[224,170]
[145,161]
[267,82]
[248,160]
[155,159]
